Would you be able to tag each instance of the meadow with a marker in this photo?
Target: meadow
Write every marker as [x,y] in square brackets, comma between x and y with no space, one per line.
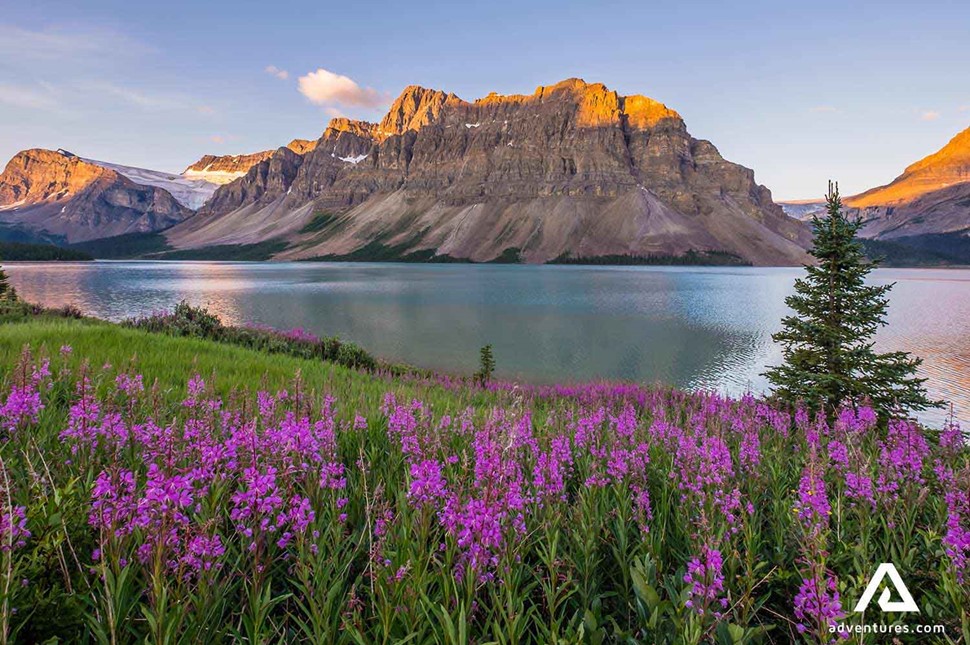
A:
[166,488]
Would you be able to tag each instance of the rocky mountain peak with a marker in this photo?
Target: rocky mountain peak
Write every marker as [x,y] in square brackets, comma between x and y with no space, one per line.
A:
[223,169]
[65,196]
[643,112]
[572,169]
[949,166]
[415,108]
[950,163]
[36,175]
[355,127]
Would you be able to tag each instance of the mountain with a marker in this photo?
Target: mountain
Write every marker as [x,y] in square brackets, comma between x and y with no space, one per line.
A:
[226,168]
[931,197]
[574,170]
[189,191]
[803,209]
[58,195]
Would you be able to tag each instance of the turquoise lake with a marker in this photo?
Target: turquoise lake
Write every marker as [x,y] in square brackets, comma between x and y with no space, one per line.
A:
[694,327]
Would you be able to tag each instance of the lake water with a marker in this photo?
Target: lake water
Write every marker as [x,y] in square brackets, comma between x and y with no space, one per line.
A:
[694,327]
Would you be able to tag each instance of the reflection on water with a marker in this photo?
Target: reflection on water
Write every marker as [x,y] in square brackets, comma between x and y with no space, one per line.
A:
[696,327]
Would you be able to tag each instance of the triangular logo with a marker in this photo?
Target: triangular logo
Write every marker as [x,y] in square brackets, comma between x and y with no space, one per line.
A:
[905,602]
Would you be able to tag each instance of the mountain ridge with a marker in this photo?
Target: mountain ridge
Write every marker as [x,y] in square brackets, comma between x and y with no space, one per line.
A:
[60,194]
[574,169]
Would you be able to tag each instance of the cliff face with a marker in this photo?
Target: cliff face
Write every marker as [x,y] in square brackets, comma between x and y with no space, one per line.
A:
[222,169]
[65,196]
[932,196]
[574,169]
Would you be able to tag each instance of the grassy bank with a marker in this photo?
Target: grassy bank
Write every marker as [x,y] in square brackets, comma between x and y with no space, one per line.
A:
[169,488]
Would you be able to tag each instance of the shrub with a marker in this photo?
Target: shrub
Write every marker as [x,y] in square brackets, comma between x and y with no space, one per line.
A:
[352,355]
[198,322]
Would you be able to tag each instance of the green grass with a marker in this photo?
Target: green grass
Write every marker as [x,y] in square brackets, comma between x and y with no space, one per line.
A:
[169,359]
[164,357]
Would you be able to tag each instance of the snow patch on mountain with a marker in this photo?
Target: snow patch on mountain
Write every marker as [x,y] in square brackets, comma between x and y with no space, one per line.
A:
[189,191]
[219,177]
[354,160]
[803,210]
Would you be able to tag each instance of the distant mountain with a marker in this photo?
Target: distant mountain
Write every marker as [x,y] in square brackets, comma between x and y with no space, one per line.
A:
[921,218]
[58,195]
[189,191]
[931,197]
[226,168]
[574,170]
[803,209]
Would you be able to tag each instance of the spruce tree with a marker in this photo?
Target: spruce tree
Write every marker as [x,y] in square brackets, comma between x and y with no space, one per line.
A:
[6,289]
[486,365]
[827,341]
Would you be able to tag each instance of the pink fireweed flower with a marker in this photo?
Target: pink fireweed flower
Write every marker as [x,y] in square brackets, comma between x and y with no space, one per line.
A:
[203,552]
[641,504]
[859,489]
[818,607]
[812,506]
[704,472]
[901,460]
[552,468]
[83,419]
[952,439]
[255,504]
[23,403]
[13,527]
[838,454]
[956,541]
[477,526]
[706,580]
[113,502]
[196,388]
[428,485]
[855,420]
[332,476]
[129,384]
[749,453]
[22,406]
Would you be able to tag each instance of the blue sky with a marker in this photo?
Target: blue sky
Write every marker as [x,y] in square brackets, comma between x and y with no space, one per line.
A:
[801,92]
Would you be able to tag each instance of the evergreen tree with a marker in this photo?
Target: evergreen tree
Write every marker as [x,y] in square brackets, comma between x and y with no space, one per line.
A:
[6,289]
[486,365]
[827,342]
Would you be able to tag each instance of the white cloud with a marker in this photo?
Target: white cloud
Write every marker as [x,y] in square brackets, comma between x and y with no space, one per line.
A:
[823,108]
[323,87]
[281,74]
[929,115]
